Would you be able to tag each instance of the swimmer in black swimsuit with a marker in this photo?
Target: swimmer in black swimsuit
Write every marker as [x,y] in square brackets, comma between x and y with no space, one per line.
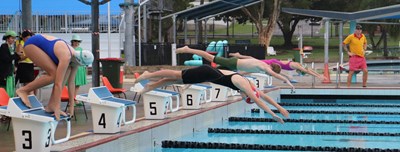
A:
[206,73]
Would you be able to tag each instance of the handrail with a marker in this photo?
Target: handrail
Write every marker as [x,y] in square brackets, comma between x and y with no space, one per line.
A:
[313,77]
[337,75]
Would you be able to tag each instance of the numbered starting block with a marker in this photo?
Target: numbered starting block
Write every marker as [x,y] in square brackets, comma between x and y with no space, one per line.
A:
[158,101]
[34,128]
[261,80]
[219,92]
[195,95]
[108,112]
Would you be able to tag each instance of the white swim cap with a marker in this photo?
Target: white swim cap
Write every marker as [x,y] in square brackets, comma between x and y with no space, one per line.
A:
[84,57]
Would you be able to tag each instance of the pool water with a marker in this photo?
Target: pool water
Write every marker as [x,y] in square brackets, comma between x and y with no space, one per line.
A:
[318,127]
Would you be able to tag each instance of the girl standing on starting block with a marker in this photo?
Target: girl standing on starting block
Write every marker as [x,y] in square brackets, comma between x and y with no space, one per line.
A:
[60,62]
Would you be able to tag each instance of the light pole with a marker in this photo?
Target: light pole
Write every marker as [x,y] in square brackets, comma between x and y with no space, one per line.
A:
[140,36]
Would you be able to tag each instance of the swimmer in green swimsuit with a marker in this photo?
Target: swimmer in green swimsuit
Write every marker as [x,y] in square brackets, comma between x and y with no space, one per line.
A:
[246,65]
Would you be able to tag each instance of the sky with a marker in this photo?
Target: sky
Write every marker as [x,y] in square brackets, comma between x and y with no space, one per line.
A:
[48,6]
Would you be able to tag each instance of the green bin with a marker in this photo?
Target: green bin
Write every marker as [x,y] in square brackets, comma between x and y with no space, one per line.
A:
[111,68]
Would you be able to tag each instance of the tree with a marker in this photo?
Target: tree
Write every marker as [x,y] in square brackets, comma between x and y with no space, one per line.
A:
[256,14]
[178,5]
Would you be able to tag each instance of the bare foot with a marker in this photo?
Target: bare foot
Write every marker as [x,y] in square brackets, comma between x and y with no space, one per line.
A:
[182,50]
[142,77]
[278,119]
[145,89]
[24,97]
[234,54]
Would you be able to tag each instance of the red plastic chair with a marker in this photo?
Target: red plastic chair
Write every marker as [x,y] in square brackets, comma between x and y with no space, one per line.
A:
[113,90]
[4,98]
[65,98]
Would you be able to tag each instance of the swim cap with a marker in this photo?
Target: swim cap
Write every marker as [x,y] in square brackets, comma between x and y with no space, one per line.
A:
[248,99]
[83,57]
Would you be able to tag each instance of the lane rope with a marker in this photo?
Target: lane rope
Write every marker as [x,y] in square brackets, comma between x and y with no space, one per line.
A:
[217,145]
[248,119]
[334,112]
[339,105]
[258,131]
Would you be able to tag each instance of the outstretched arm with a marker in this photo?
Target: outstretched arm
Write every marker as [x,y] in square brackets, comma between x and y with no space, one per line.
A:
[269,71]
[245,86]
[298,66]
[271,101]
[240,56]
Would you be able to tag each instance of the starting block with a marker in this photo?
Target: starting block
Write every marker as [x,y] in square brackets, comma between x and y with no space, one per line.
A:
[261,80]
[157,102]
[34,128]
[195,95]
[219,92]
[206,96]
[108,112]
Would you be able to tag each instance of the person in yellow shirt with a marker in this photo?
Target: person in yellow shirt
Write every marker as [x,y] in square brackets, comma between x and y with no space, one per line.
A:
[25,72]
[355,45]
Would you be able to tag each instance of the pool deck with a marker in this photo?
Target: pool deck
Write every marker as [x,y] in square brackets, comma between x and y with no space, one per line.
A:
[83,137]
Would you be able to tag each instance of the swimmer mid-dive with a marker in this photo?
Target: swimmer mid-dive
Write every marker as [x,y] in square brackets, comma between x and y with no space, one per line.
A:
[285,65]
[247,65]
[206,73]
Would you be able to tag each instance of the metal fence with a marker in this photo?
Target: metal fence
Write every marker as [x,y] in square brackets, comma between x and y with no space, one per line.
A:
[60,22]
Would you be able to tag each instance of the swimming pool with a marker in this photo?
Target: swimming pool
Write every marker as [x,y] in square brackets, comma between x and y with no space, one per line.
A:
[371,126]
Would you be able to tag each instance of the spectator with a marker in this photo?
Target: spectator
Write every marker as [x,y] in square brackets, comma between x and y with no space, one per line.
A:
[80,78]
[7,58]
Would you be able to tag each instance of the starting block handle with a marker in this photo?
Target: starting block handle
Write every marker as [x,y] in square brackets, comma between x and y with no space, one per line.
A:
[269,80]
[208,94]
[233,92]
[133,116]
[177,104]
[53,128]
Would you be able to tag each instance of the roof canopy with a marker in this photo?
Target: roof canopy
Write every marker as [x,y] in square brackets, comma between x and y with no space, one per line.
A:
[212,9]
[388,12]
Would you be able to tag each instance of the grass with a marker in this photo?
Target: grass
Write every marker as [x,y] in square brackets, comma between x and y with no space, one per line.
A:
[317,42]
